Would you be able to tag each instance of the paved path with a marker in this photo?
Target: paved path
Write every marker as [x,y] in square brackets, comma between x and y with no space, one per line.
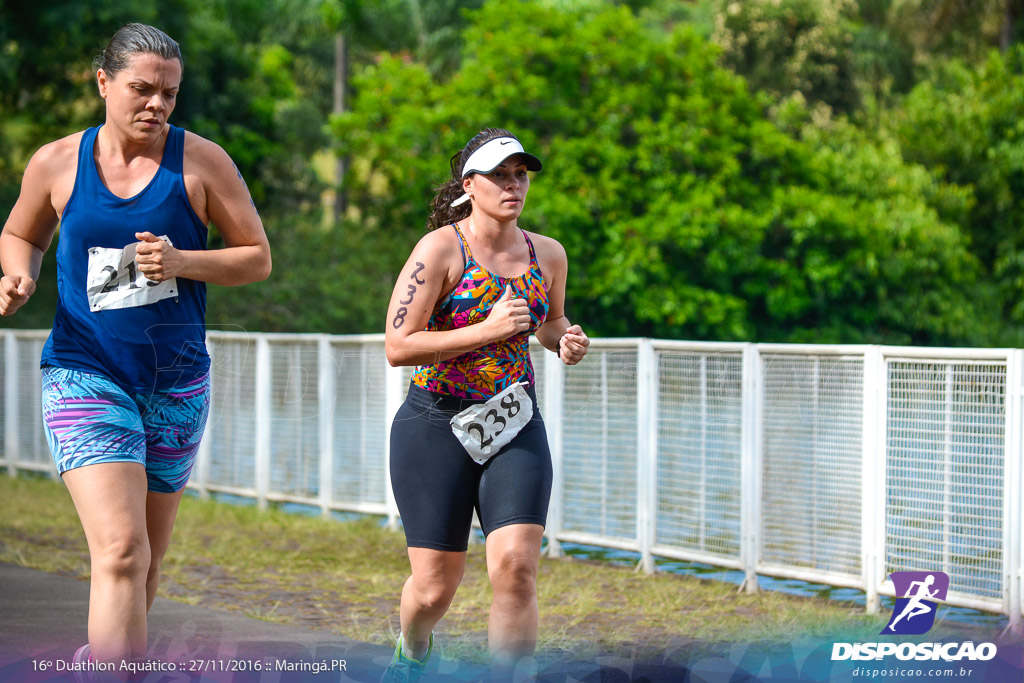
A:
[43,620]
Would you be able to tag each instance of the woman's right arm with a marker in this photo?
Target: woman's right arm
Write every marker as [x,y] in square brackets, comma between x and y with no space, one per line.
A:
[29,229]
[426,276]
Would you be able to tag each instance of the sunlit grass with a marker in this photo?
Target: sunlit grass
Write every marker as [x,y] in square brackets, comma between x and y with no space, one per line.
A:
[346,577]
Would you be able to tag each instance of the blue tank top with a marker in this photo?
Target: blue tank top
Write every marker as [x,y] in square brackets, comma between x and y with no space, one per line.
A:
[142,347]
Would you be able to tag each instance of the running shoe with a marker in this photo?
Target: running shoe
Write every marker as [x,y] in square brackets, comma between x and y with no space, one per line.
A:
[402,669]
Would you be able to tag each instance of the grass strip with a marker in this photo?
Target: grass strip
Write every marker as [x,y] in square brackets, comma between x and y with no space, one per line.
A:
[346,577]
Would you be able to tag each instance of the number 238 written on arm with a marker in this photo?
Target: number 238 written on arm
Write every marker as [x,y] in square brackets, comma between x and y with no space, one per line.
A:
[403,311]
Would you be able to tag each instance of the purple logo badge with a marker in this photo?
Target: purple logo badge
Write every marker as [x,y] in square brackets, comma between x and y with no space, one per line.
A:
[914,613]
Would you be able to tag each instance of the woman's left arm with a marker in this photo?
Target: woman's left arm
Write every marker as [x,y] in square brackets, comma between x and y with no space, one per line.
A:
[558,333]
[218,194]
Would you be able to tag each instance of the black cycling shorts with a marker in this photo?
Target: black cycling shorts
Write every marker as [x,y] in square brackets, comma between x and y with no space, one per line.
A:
[437,485]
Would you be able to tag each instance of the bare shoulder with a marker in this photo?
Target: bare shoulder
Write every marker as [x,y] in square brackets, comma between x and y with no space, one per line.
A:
[50,175]
[214,184]
[58,156]
[443,241]
[548,245]
[438,252]
[550,251]
[205,156]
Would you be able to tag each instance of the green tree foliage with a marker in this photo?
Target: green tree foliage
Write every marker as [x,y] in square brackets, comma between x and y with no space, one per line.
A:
[430,31]
[855,55]
[685,211]
[883,55]
[46,85]
[337,276]
[791,46]
[692,205]
[967,125]
[327,278]
[897,265]
[46,92]
[965,28]
[256,81]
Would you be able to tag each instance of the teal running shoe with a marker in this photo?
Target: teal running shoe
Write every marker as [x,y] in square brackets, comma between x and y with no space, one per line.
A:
[403,669]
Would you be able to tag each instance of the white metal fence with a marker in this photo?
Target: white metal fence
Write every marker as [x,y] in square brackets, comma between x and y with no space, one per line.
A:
[830,464]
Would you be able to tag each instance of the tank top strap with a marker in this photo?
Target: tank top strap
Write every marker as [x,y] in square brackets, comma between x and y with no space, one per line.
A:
[174,150]
[467,254]
[87,178]
[533,254]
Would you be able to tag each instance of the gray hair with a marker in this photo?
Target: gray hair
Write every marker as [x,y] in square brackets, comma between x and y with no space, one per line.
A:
[133,39]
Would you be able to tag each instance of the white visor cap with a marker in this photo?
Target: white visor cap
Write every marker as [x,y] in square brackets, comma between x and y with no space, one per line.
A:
[489,156]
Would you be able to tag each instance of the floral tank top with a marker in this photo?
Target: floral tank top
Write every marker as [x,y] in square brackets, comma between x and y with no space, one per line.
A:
[486,371]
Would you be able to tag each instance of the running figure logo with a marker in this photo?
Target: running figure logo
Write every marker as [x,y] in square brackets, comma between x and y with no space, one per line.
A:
[914,613]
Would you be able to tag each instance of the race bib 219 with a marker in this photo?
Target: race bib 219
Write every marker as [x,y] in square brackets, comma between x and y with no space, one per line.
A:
[114,280]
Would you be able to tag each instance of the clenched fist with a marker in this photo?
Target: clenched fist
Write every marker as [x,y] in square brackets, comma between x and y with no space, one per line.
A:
[156,258]
[15,290]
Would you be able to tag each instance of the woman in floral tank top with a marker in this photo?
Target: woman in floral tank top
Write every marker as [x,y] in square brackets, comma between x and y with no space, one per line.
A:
[469,436]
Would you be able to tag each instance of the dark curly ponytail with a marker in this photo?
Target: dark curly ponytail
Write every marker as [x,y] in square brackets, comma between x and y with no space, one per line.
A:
[441,210]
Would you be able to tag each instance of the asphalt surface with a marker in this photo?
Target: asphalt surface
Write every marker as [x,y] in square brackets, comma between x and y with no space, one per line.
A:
[43,620]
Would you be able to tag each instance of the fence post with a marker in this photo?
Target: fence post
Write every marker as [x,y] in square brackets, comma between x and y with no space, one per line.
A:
[554,424]
[203,455]
[646,451]
[263,412]
[393,397]
[326,401]
[11,402]
[751,458]
[1013,488]
[873,428]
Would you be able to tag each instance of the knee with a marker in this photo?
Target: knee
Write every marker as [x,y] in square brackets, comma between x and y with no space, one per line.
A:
[127,556]
[514,578]
[434,594]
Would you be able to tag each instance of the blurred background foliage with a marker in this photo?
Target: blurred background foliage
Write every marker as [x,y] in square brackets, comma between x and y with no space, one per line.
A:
[766,170]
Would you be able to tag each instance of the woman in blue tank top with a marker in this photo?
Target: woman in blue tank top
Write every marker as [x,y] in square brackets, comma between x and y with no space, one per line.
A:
[125,369]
